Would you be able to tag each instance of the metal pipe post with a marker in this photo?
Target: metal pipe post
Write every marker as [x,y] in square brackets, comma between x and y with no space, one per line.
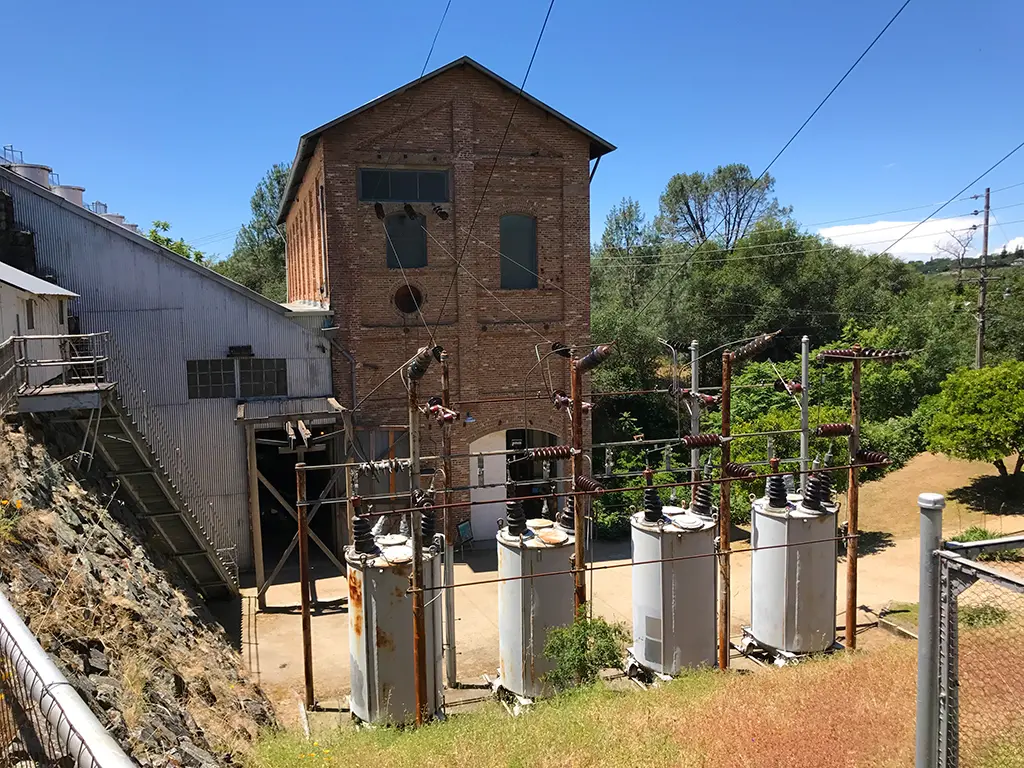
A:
[852,502]
[419,658]
[805,411]
[449,530]
[304,590]
[724,515]
[931,505]
[577,466]
[694,406]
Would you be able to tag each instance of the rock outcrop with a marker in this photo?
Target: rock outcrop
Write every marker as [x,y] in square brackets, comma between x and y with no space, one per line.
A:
[140,646]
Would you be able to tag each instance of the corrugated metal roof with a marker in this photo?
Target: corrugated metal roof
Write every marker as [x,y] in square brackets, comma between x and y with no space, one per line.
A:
[307,142]
[25,282]
[258,410]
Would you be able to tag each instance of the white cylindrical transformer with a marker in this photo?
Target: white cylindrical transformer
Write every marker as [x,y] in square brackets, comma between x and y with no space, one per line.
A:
[674,614]
[528,608]
[793,585]
[380,632]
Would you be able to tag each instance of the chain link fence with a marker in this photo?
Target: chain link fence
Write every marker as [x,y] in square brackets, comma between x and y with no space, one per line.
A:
[981,654]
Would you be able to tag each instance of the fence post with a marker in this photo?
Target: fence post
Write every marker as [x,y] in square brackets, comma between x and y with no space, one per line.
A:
[931,505]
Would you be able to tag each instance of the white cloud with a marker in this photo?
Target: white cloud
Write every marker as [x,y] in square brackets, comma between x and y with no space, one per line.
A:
[918,245]
[1013,245]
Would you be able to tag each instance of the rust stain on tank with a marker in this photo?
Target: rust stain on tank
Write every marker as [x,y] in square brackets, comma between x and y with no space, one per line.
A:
[355,600]
[384,640]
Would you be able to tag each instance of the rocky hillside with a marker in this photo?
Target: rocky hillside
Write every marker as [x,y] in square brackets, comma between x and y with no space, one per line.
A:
[137,643]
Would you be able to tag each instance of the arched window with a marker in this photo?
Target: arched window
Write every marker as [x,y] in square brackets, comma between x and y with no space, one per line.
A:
[518,251]
[406,241]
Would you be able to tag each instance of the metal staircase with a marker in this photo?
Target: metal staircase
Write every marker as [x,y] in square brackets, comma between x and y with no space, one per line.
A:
[162,509]
[130,437]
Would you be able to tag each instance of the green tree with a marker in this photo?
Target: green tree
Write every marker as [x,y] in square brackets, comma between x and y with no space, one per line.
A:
[980,416]
[723,205]
[158,234]
[627,257]
[257,260]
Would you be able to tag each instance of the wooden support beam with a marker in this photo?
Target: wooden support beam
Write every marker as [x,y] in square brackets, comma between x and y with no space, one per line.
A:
[304,432]
[290,431]
[255,520]
[291,511]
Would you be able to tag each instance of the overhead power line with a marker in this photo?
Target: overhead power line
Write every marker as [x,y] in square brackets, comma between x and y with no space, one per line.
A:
[788,143]
[508,127]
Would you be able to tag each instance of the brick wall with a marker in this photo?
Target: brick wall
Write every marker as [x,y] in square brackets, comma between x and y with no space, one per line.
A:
[304,227]
[454,121]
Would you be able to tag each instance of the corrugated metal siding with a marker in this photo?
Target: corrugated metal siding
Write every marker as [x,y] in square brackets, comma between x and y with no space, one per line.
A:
[161,312]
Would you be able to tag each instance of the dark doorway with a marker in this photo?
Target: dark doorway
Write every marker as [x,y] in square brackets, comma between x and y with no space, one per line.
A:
[276,459]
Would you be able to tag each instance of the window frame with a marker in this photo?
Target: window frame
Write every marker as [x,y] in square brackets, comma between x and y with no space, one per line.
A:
[278,366]
[233,366]
[224,365]
[30,314]
[505,256]
[371,196]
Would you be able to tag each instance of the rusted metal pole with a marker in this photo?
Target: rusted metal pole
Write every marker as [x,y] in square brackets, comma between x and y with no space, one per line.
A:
[419,637]
[577,464]
[852,501]
[304,590]
[724,570]
[449,529]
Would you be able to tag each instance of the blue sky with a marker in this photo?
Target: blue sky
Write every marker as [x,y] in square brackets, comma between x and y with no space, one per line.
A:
[175,111]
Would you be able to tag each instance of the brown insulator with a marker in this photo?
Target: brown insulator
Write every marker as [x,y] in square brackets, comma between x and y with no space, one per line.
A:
[790,387]
[362,536]
[594,358]
[887,355]
[567,517]
[872,457]
[736,470]
[824,487]
[702,500]
[379,210]
[551,452]
[560,400]
[755,347]
[652,501]
[587,484]
[838,355]
[706,440]
[833,430]
[515,516]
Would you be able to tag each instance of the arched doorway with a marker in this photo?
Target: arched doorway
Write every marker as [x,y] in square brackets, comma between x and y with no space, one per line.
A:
[488,474]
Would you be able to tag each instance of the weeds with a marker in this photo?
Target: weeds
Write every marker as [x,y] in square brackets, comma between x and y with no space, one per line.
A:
[582,649]
[977,533]
[982,616]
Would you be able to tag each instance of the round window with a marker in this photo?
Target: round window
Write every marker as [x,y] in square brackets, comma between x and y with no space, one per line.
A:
[408,299]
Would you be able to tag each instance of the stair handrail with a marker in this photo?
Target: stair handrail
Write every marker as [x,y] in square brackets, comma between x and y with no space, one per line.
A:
[158,436]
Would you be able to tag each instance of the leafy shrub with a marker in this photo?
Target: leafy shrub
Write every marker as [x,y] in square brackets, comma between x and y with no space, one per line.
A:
[582,649]
[977,533]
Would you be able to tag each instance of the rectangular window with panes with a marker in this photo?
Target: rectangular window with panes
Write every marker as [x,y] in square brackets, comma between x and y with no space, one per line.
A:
[210,379]
[262,377]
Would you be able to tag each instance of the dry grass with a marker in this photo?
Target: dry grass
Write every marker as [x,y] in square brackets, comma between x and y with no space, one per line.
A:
[135,675]
[841,711]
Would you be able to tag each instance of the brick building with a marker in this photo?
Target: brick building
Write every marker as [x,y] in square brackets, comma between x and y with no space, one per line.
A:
[422,156]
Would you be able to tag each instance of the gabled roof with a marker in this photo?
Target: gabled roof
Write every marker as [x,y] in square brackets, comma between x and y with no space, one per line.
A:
[23,281]
[307,142]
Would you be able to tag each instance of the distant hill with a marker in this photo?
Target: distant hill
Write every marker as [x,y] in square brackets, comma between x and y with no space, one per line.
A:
[939,266]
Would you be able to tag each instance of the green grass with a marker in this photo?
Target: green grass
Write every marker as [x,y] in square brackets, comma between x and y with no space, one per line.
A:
[903,614]
[977,533]
[586,727]
[969,616]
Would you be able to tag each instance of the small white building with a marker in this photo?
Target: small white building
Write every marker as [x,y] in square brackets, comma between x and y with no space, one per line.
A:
[30,306]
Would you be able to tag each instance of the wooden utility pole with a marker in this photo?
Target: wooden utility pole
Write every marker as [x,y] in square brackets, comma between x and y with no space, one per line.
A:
[576,469]
[307,630]
[419,659]
[979,349]
[852,507]
[724,515]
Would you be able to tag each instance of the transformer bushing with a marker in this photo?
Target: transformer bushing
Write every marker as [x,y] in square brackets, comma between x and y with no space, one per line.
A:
[776,492]
[702,500]
[515,516]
